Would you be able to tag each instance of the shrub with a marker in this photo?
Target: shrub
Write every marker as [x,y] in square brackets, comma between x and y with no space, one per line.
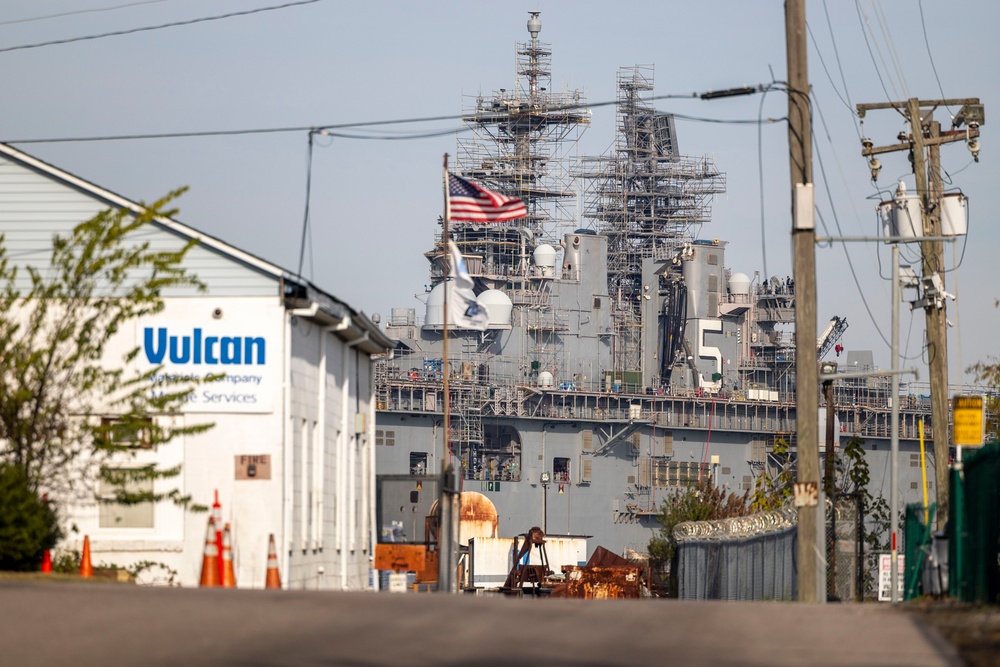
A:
[28,523]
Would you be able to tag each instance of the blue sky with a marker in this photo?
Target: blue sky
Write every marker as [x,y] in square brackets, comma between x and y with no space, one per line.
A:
[374,202]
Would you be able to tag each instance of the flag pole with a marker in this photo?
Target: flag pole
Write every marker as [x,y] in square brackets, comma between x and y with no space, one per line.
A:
[445,237]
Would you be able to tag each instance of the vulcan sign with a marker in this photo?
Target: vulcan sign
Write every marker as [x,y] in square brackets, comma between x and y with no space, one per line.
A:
[229,364]
[198,348]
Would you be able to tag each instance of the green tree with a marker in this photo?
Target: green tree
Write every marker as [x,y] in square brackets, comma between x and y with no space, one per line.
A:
[771,492]
[988,373]
[28,523]
[57,386]
[700,501]
[853,476]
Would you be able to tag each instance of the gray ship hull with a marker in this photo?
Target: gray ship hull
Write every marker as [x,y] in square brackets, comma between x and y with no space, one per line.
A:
[608,478]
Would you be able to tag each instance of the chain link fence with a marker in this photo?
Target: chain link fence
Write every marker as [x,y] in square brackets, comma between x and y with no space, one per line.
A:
[845,539]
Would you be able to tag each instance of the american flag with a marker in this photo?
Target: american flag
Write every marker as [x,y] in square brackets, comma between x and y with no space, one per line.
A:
[473,203]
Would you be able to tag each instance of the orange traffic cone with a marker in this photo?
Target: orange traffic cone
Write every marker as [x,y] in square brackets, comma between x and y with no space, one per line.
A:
[273,575]
[46,562]
[217,518]
[210,561]
[228,574]
[86,569]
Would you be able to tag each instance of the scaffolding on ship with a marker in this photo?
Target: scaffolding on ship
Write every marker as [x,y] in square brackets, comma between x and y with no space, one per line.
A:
[646,198]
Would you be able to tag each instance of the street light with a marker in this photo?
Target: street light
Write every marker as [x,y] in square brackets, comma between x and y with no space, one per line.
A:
[828,370]
[544,479]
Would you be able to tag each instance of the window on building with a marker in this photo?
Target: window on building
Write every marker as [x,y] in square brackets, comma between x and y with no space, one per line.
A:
[664,444]
[418,463]
[664,473]
[114,514]
[135,433]
[560,469]
[318,470]
[305,483]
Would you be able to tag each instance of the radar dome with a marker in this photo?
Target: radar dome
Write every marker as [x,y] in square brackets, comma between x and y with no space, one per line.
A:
[545,259]
[545,379]
[434,315]
[739,283]
[498,305]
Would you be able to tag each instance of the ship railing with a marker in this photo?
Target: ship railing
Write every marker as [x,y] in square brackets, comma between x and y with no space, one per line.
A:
[526,298]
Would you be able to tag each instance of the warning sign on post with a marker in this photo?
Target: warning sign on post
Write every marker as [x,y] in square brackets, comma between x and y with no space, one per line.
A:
[885,576]
[968,418]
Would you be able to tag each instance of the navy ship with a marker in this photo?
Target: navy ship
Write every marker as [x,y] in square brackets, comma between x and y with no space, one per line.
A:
[623,358]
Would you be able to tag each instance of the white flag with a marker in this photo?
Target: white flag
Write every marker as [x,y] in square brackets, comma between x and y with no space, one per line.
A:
[464,310]
[459,274]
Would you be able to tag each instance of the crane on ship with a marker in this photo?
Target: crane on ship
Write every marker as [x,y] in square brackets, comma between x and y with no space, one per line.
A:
[828,339]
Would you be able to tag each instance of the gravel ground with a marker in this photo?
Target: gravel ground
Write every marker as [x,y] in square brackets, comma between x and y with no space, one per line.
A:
[972,629]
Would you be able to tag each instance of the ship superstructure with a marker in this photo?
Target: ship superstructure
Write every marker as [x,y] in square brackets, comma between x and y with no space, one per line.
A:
[623,359]
[647,200]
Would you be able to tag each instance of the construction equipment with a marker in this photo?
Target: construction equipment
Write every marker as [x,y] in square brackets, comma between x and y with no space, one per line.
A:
[523,575]
[834,330]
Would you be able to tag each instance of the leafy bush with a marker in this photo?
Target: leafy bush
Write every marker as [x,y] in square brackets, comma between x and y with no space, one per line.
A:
[701,501]
[28,523]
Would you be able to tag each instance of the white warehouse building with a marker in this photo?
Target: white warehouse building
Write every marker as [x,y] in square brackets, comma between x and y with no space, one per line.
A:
[291,452]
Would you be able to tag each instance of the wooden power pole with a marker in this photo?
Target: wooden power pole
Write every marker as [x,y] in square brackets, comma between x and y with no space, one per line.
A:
[807,486]
[925,134]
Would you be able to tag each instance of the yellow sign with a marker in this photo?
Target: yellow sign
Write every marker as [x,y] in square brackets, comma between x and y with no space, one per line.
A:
[400,557]
[968,418]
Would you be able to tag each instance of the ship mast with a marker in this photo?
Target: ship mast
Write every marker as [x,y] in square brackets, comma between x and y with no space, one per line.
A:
[516,148]
[648,200]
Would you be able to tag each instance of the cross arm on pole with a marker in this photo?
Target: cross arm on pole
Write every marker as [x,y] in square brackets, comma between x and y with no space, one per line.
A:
[945,138]
[874,106]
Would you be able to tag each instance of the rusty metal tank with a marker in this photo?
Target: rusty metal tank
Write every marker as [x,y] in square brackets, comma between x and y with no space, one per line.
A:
[478,516]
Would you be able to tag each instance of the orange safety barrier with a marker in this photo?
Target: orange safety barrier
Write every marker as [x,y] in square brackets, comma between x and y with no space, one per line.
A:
[273,574]
[228,573]
[210,560]
[86,569]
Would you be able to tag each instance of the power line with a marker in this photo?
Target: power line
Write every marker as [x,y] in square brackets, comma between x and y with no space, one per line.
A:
[397,137]
[825,70]
[930,56]
[81,11]
[836,220]
[305,217]
[218,133]
[760,178]
[890,46]
[840,66]
[864,33]
[332,127]
[175,24]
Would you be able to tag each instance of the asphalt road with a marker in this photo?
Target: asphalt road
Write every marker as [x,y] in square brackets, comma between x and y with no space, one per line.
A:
[120,625]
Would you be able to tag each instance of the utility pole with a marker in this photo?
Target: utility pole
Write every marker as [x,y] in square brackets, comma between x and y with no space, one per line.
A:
[807,487]
[925,133]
